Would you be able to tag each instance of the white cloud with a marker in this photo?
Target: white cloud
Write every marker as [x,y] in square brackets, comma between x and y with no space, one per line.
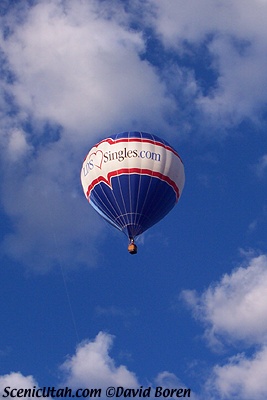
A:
[80,66]
[235,308]
[92,363]
[15,380]
[241,378]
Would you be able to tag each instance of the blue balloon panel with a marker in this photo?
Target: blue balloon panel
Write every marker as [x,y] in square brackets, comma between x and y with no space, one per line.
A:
[135,202]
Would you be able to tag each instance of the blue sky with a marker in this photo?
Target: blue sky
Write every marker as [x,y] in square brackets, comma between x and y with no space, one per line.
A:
[190,309]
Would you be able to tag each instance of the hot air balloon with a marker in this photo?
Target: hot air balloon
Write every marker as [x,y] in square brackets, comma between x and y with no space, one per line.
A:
[132,179]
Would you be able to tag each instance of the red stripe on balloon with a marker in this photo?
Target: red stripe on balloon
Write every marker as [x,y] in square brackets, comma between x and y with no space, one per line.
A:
[128,171]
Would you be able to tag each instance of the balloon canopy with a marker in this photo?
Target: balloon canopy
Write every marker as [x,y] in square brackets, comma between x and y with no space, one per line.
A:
[132,179]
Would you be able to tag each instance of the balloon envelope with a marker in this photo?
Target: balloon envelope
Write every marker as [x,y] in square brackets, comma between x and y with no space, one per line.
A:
[132,179]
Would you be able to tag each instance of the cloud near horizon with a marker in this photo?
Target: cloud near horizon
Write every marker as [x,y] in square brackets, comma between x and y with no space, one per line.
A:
[234,314]
[242,377]
[92,367]
[235,307]
[93,363]
[233,311]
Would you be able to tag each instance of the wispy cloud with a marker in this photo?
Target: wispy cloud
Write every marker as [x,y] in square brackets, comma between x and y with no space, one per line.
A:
[235,52]
[114,311]
[260,168]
